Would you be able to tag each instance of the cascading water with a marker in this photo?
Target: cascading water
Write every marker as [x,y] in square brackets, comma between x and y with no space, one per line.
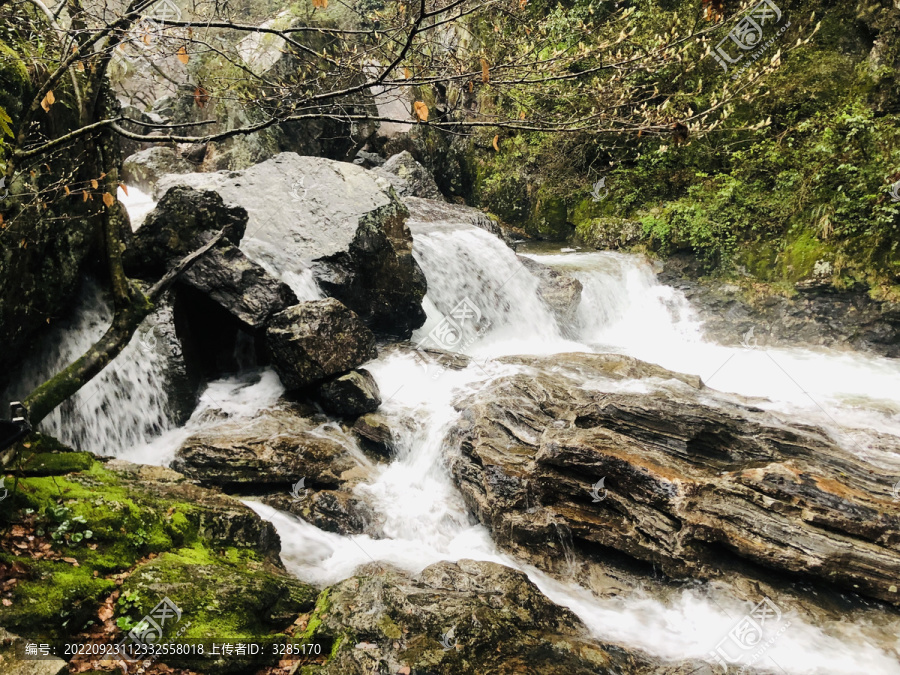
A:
[425,520]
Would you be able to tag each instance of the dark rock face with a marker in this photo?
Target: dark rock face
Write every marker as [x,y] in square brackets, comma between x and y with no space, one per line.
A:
[428,214]
[409,178]
[144,169]
[817,314]
[560,292]
[313,340]
[374,434]
[238,285]
[462,618]
[352,394]
[694,483]
[344,222]
[183,220]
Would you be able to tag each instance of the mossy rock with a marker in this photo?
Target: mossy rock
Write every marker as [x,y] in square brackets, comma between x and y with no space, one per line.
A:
[224,595]
[549,217]
[67,538]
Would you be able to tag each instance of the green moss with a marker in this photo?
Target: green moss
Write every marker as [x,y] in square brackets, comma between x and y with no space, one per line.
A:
[55,463]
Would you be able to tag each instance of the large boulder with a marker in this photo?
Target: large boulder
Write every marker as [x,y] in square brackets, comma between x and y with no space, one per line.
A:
[341,221]
[314,340]
[693,482]
[183,221]
[560,292]
[409,178]
[352,394]
[460,618]
[143,169]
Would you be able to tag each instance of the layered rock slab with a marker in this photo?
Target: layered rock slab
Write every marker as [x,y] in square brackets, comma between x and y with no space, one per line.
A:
[683,478]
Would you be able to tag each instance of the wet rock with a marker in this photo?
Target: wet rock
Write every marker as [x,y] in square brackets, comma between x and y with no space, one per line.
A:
[756,314]
[183,220]
[609,233]
[344,222]
[409,178]
[351,394]
[143,169]
[331,510]
[275,450]
[560,292]
[462,618]
[688,480]
[313,340]
[238,285]
[374,434]
[426,215]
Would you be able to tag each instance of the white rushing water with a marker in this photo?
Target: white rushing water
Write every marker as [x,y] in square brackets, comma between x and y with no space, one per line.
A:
[477,282]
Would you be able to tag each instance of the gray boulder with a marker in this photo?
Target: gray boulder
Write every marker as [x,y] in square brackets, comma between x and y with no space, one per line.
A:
[342,221]
[351,394]
[560,292]
[143,169]
[409,178]
[314,340]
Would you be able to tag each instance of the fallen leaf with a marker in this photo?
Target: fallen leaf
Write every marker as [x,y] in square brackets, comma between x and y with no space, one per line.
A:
[183,55]
[522,4]
[407,73]
[403,671]
[49,99]
[496,143]
[320,3]
[7,602]
[485,71]
[71,561]
[421,110]
[106,612]
[201,97]
[471,86]
[108,199]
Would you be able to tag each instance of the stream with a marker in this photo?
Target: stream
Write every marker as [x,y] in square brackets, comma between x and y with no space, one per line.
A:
[623,309]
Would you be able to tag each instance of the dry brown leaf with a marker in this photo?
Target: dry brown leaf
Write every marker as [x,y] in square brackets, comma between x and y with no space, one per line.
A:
[94,183]
[320,3]
[496,143]
[471,86]
[421,110]
[71,561]
[68,191]
[522,115]
[48,100]
[84,195]
[183,55]
[406,73]
[124,188]
[522,4]
[201,97]
[108,199]
[79,66]
[404,671]
[7,602]
[106,612]
[485,71]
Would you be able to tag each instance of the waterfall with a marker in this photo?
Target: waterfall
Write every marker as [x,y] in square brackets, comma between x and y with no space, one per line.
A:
[476,281]
[126,404]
